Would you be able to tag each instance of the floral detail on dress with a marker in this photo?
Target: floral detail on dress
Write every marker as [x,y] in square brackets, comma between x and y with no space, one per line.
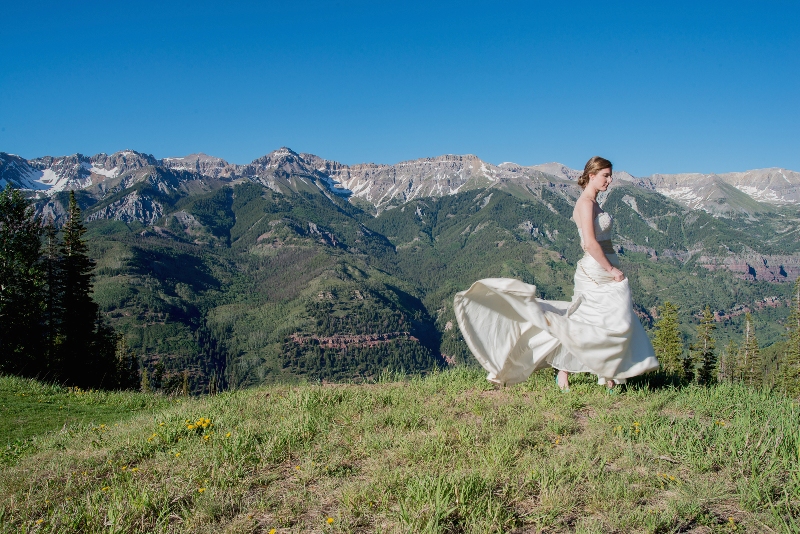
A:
[603,225]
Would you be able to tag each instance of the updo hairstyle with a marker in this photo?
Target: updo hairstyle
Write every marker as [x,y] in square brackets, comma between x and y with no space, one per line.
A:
[593,166]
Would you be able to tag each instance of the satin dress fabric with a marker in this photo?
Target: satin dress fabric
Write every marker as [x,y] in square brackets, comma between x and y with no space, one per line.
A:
[512,333]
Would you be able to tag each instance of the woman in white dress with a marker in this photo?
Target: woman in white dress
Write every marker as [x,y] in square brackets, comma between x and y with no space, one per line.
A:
[512,333]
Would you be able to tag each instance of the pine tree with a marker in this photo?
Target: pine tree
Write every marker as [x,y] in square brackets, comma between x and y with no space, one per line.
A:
[127,373]
[727,368]
[21,285]
[790,364]
[104,355]
[52,298]
[667,341]
[750,364]
[703,358]
[78,365]
[145,385]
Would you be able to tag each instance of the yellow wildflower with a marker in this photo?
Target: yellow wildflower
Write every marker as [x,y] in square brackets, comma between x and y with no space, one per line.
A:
[200,490]
[39,521]
[206,436]
[271,531]
[177,454]
[105,488]
[228,435]
[329,520]
[134,469]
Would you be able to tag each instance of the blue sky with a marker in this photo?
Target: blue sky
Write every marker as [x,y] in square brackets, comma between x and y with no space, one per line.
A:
[655,87]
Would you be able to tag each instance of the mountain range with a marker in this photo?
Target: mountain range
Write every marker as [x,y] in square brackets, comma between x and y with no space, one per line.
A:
[294,265]
[725,194]
[768,197]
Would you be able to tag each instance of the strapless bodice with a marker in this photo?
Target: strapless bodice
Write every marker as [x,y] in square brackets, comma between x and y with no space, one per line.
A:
[603,225]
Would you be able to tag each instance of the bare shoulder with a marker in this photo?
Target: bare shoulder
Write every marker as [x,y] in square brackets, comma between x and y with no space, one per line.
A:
[584,209]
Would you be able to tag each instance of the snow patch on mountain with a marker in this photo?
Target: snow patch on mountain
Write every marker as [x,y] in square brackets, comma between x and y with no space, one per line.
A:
[684,195]
[764,195]
[108,173]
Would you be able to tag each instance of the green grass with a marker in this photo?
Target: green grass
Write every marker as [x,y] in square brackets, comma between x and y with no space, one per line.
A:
[443,453]
[30,409]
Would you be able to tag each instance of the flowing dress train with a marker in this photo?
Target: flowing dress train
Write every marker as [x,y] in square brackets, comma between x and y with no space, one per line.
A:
[512,333]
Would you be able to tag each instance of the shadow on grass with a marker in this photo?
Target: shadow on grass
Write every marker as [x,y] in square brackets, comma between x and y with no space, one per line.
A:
[657,381]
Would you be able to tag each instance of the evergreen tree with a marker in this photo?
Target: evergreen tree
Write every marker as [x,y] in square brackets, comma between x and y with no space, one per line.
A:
[727,368]
[790,364]
[750,364]
[667,341]
[106,372]
[127,373]
[21,285]
[703,358]
[83,358]
[52,298]
[145,385]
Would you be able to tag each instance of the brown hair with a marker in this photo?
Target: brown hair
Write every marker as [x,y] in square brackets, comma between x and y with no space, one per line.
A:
[593,166]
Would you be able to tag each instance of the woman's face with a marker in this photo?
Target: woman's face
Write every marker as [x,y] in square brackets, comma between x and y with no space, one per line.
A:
[601,180]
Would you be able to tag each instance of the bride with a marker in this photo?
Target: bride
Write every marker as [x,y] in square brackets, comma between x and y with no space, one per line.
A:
[512,333]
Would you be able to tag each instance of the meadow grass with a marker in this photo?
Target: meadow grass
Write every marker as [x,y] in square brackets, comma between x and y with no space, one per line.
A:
[444,453]
[29,409]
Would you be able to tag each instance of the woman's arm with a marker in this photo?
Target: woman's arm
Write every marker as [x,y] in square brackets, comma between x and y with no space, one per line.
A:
[585,209]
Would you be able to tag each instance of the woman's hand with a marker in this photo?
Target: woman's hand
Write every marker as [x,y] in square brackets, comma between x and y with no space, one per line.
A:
[617,274]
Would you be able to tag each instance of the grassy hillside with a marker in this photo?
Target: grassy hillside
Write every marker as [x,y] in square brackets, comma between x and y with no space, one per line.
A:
[444,453]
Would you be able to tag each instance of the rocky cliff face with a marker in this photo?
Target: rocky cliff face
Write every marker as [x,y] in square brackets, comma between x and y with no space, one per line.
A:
[132,207]
[201,164]
[383,185]
[768,268]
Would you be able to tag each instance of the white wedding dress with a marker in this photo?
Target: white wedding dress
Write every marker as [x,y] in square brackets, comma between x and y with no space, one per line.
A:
[512,333]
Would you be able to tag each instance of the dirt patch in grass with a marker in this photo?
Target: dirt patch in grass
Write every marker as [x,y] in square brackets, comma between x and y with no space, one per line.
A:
[583,416]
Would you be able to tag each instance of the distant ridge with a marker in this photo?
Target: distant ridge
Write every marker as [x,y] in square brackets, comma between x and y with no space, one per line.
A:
[384,185]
